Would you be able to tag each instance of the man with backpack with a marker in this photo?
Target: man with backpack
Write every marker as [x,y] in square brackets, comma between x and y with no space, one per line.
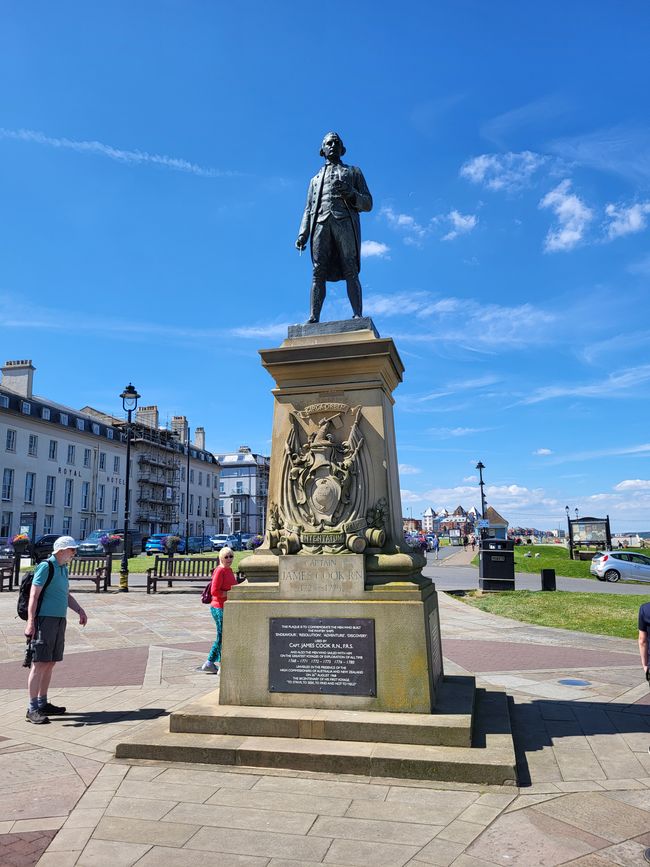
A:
[49,601]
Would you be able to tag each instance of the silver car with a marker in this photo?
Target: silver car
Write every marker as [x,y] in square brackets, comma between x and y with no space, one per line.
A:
[614,565]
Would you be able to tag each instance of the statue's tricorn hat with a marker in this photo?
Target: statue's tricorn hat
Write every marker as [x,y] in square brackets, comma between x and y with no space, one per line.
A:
[327,135]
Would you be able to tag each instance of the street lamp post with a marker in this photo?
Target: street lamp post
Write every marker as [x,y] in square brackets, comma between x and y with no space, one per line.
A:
[130,399]
[480,467]
[187,495]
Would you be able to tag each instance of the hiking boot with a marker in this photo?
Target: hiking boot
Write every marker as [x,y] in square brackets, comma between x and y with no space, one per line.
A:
[51,709]
[36,717]
[210,667]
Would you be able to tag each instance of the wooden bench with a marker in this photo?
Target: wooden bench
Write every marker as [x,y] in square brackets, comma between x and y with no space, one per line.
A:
[90,569]
[6,574]
[172,569]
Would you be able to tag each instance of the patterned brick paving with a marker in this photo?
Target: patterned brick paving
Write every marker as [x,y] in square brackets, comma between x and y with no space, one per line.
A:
[23,850]
[484,656]
[96,668]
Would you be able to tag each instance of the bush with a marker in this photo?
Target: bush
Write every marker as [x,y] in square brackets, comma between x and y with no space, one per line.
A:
[255,542]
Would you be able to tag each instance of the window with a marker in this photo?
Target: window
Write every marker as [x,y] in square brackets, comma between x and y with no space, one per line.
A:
[83,528]
[67,525]
[95,428]
[71,454]
[191,477]
[240,488]
[7,484]
[80,424]
[115,499]
[198,505]
[222,487]
[5,523]
[182,474]
[48,522]
[207,479]
[85,493]
[53,450]
[102,460]
[116,464]
[11,440]
[45,413]
[87,457]
[50,490]
[207,507]
[100,524]
[4,403]
[101,496]
[30,483]
[32,448]
[109,433]
[63,418]
[182,503]
[25,407]
[68,493]
[191,504]
[200,477]
[236,507]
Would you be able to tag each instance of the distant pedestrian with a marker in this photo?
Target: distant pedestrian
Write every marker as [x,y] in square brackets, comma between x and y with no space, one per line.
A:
[435,546]
[46,622]
[644,638]
[223,579]
[465,541]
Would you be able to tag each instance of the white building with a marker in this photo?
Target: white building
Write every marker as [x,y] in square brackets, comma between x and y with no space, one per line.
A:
[63,469]
[243,491]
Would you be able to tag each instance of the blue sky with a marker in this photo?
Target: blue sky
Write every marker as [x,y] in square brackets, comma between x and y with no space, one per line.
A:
[154,159]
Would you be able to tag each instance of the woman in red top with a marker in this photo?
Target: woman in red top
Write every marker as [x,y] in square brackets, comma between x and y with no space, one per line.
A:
[223,579]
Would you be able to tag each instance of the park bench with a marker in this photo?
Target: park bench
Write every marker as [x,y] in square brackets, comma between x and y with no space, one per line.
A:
[172,569]
[95,569]
[6,574]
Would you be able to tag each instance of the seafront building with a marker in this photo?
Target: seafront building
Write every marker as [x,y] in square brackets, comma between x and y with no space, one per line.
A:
[63,469]
[243,491]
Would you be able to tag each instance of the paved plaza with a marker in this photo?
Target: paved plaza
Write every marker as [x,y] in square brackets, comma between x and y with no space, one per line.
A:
[584,767]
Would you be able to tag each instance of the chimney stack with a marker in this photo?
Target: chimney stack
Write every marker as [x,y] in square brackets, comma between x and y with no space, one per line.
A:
[18,376]
[147,415]
[179,427]
[199,438]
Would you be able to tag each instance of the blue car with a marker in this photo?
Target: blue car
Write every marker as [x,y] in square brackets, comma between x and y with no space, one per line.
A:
[156,544]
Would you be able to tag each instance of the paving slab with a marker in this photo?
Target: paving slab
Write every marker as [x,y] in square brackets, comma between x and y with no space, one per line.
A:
[615,820]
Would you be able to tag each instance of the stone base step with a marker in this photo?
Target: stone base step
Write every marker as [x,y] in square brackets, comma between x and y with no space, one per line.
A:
[450,725]
[490,759]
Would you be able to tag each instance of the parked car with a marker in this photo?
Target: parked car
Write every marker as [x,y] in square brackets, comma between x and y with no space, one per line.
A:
[199,544]
[220,541]
[6,549]
[614,565]
[42,548]
[233,542]
[92,547]
[156,544]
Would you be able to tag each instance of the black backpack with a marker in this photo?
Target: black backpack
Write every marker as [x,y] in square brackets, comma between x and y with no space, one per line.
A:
[25,589]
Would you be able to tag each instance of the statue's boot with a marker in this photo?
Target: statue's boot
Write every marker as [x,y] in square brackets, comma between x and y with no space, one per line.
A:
[354,294]
[317,296]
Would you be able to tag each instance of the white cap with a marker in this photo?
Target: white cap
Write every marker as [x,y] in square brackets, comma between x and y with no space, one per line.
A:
[64,542]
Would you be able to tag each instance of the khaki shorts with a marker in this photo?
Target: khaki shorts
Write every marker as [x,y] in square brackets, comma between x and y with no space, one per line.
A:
[48,644]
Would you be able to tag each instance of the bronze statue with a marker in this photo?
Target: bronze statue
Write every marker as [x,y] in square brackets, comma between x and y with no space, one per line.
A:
[335,198]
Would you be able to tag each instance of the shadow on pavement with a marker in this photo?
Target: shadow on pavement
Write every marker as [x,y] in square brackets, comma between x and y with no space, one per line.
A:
[544,723]
[105,717]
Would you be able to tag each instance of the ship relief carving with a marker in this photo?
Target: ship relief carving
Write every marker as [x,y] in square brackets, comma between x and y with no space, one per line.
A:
[326,483]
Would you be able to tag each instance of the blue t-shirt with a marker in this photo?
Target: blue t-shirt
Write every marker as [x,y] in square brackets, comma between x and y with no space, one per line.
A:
[644,619]
[55,598]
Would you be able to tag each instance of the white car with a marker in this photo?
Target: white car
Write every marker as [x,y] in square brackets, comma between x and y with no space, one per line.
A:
[614,565]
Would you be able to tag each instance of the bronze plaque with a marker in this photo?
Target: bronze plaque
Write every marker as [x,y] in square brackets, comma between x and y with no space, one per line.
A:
[333,655]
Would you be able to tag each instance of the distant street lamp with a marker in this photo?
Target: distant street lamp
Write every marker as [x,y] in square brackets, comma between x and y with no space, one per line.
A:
[187,493]
[130,399]
[480,467]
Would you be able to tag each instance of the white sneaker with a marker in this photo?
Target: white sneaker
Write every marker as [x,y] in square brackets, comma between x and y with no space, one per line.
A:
[209,667]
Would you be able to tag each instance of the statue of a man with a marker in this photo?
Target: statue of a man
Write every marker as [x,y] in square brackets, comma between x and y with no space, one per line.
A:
[335,198]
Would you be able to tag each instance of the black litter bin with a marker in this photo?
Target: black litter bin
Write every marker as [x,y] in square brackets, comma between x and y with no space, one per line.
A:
[548,579]
[496,565]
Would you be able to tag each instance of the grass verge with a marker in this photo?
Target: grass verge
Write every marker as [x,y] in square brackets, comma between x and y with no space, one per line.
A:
[552,557]
[597,613]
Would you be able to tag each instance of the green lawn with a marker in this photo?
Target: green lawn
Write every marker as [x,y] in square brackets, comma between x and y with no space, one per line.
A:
[552,557]
[142,563]
[598,613]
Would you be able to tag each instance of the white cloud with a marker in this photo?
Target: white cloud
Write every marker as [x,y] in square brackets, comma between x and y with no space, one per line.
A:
[633,485]
[413,231]
[542,452]
[461,224]
[572,214]
[374,248]
[408,470]
[456,431]
[626,220]
[621,150]
[620,384]
[277,330]
[122,156]
[508,171]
